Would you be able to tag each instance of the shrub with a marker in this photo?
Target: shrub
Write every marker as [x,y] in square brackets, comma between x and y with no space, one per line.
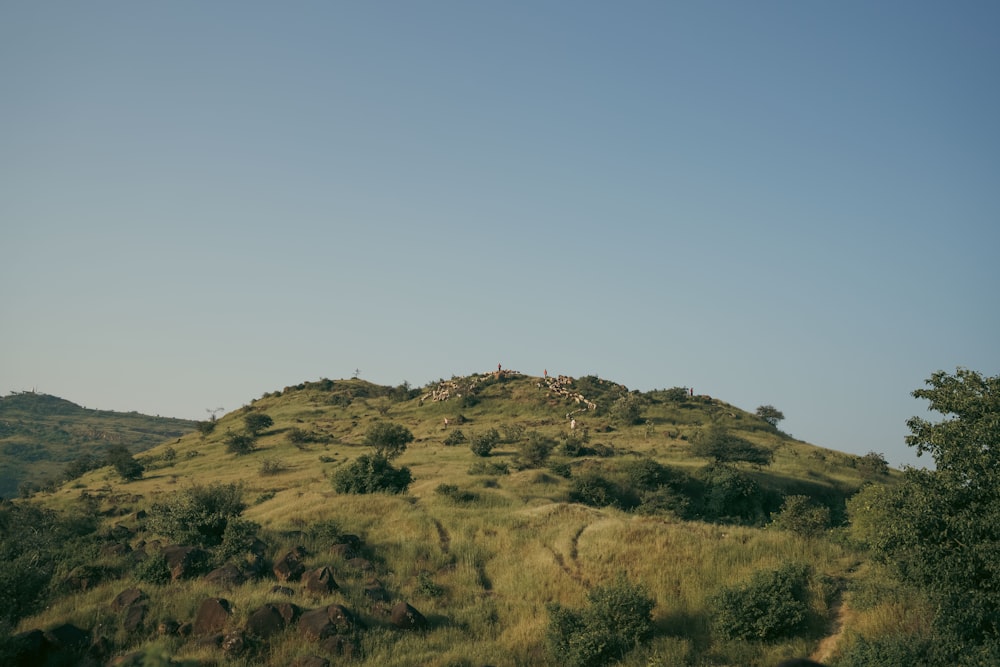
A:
[482,445]
[257,422]
[730,495]
[198,515]
[240,443]
[298,436]
[152,569]
[800,515]
[455,494]
[271,467]
[872,464]
[715,442]
[207,427]
[121,458]
[371,474]
[456,437]
[888,651]
[489,468]
[562,469]
[535,451]
[616,620]
[626,410]
[772,605]
[237,539]
[594,490]
[512,433]
[387,439]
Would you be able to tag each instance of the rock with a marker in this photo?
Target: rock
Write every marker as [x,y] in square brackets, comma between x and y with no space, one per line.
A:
[212,616]
[326,621]
[227,575]
[374,590]
[184,562]
[319,582]
[290,567]
[405,617]
[127,598]
[265,621]
[135,617]
[69,636]
[340,645]
[234,643]
[283,590]
[117,550]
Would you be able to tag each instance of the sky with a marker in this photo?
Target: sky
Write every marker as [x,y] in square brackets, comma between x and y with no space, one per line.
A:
[790,203]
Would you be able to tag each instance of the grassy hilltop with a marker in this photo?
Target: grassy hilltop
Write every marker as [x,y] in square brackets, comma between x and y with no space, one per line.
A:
[583,497]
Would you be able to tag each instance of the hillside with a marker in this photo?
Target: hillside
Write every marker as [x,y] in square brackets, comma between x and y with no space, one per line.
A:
[41,434]
[585,491]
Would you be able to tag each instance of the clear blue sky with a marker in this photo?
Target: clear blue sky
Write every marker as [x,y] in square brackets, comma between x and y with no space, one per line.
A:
[787,203]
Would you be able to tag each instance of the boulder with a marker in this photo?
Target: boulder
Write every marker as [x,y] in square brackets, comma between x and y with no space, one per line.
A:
[339,645]
[212,616]
[375,591]
[405,617]
[135,617]
[126,599]
[361,564]
[290,567]
[234,643]
[326,621]
[265,621]
[227,575]
[283,590]
[184,562]
[319,582]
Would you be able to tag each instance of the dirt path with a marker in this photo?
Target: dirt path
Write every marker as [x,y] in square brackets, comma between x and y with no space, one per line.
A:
[828,645]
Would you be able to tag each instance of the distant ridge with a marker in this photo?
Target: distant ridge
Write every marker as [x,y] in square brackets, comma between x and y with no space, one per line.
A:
[40,434]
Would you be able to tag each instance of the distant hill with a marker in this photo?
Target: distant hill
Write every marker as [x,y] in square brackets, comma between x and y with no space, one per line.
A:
[40,434]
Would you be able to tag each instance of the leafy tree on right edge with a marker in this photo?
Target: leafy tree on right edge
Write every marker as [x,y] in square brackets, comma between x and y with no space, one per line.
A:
[940,529]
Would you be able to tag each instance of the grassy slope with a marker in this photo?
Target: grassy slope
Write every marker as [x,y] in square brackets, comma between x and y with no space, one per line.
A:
[501,558]
[40,434]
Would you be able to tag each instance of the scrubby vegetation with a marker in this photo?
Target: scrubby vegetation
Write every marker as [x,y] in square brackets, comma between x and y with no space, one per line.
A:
[650,531]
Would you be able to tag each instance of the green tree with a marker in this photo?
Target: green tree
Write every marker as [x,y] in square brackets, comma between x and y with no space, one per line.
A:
[940,528]
[387,439]
[716,442]
[121,458]
[482,444]
[770,414]
[627,409]
[240,443]
[257,422]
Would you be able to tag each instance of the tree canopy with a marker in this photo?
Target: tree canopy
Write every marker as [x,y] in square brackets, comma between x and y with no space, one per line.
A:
[389,440]
[940,528]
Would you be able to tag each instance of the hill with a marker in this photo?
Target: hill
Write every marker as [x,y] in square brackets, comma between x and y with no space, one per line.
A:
[41,434]
[540,514]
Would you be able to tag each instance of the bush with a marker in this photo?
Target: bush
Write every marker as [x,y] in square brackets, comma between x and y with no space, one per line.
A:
[482,445]
[237,539]
[198,515]
[240,443]
[371,474]
[456,437]
[626,410]
[489,468]
[207,427]
[888,652]
[121,458]
[512,433]
[594,490]
[271,467]
[771,606]
[455,494]
[535,451]
[800,515]
[872,464]
[715,442]
[387,439]
[617,619]
[731,496]
[257,422]
[152,569]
